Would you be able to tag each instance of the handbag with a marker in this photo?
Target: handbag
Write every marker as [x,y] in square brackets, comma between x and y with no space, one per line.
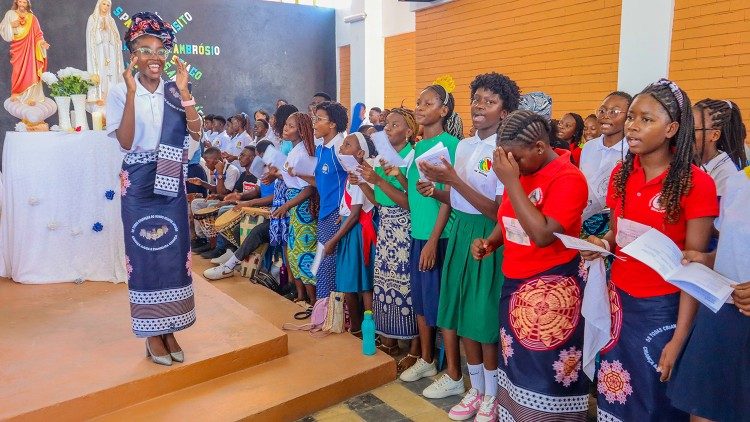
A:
[327,317]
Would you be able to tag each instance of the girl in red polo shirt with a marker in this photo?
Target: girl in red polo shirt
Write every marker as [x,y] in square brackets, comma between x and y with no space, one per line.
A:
[541,331]
[656,186]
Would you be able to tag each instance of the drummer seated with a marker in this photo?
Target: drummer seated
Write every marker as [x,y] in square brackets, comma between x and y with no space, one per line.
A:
[257,197]
[257,237]
[223,178]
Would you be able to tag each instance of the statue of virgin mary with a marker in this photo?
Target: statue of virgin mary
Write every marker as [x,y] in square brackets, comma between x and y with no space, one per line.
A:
[103,50]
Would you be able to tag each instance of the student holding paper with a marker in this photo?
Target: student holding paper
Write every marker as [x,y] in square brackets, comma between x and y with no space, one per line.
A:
[470,289]
[301,205]
[356,236]
[541,332]
[395,317]
[710,379]
[656,186]
[430,225]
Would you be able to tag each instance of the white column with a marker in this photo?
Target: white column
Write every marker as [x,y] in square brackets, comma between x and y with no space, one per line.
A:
[367,53]
[645,43]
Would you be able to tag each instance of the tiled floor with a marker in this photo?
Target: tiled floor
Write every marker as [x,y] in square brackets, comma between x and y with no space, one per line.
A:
[396,402]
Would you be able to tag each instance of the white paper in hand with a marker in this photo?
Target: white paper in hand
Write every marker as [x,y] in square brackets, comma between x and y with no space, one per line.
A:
[257,167]
[386,151]
[571,242]
[319,255]
[351,165]
[274,157]
[305,166]
[660,253]
[433,157]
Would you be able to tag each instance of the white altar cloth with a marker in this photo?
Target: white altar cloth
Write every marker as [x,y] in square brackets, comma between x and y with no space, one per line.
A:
[53,192]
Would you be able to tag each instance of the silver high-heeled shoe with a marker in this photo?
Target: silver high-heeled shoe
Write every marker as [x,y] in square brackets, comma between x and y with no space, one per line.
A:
[176,356]
[165,360]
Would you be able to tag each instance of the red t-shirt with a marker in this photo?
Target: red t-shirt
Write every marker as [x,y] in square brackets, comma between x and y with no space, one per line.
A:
[575,152]
[642,206]
[560,192]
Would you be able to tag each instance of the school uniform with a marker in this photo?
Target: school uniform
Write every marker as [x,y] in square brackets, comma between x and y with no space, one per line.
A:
[393,309]
[330,180]
[541,330]
[720,168]
[235,145]
[355,255]
[596,163]
[644,306]
[470,289]
[710,378]
[425,285]
[303,240]
[220,139]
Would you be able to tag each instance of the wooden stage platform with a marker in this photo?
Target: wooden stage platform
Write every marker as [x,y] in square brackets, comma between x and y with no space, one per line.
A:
[67,353]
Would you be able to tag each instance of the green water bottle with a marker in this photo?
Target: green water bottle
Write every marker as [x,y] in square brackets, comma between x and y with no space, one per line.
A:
[368,334]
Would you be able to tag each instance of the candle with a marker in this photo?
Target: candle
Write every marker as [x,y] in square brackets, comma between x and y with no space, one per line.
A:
[97,119]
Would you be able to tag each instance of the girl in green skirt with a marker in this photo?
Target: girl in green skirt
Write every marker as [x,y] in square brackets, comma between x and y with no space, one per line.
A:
[470,289]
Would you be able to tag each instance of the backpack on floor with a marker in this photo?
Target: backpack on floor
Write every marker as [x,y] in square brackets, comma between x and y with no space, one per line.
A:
[327,317]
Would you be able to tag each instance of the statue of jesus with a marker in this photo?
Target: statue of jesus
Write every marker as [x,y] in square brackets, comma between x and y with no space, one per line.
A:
[28,52]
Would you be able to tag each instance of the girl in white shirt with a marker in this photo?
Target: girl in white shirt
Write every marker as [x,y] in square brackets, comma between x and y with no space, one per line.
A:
[719,137]
[356,256]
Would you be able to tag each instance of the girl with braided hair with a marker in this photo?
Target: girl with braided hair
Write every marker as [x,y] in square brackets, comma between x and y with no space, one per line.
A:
[393,294]
[470,289]
[301,205]
[657,186]
[719,139]
[570,130]
[541,335]
[430,224]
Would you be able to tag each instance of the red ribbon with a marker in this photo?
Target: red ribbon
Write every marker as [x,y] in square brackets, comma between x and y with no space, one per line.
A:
[369,236]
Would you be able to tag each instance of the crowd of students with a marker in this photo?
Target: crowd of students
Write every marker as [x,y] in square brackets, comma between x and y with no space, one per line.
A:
[467,247]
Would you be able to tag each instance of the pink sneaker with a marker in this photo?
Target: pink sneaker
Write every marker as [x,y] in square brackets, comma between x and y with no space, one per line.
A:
[488,410]
[467,408]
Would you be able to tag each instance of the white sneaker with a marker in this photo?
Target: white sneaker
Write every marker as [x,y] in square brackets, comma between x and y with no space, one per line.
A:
[217,273]
[444,387]
[467,407]
[418,371]
[488,410]
[222,259]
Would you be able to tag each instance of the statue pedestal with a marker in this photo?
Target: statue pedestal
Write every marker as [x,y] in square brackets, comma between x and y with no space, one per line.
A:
[31,113]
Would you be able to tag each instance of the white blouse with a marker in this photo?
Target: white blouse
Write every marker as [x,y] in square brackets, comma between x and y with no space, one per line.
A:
[149,113]
[473,164]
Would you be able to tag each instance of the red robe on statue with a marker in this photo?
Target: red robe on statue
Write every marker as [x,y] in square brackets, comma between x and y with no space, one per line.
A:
[28,58]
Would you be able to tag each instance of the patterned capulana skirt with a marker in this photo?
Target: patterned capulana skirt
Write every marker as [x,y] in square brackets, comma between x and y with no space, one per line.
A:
[157,247]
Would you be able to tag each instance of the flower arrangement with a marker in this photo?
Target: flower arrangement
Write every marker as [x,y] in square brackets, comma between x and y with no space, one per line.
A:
[70,81]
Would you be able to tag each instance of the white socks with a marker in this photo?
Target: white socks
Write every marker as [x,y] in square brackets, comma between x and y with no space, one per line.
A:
[490,382]
[476,373]
[229,265]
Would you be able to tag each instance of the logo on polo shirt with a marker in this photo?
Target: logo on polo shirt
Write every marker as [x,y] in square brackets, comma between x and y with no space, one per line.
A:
[655,203]
[536,196]
[484,166]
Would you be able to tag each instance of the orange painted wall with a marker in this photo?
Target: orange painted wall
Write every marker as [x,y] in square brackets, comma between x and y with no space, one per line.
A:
[400,71]
[566,48]
[345,74]
[711,50]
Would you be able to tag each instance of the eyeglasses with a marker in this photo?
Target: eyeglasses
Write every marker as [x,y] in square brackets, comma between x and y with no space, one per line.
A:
[316,119]
[613,112]
[146,51]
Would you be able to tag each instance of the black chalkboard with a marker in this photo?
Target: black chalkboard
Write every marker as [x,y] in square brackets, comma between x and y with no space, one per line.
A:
[266,50]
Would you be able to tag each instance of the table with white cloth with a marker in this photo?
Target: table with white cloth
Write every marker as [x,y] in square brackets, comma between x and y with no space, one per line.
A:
[60,208]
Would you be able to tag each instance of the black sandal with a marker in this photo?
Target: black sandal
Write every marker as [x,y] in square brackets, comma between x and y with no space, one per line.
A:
[303,314]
